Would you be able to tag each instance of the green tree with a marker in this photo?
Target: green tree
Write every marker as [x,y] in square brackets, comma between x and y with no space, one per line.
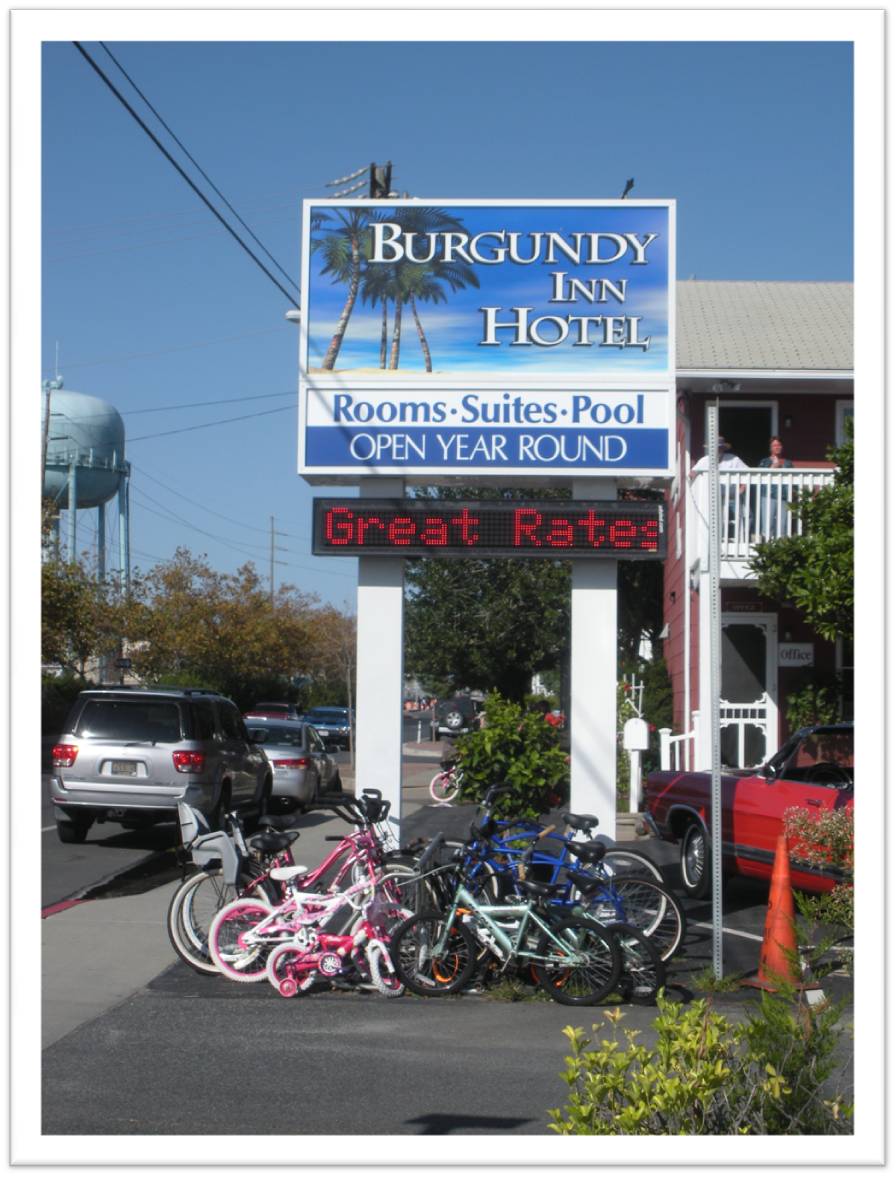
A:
[813,572]
[486,624]
[82,619]
[493,624]
[192,624]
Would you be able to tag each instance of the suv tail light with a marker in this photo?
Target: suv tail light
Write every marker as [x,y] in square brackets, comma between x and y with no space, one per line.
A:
[64,755]
[189,761]
[299,762]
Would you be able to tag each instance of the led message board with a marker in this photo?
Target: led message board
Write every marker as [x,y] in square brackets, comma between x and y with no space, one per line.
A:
[485,338]
[552,530]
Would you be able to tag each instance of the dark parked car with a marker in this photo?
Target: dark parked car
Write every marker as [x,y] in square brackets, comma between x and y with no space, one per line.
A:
[130,754]
[455,716]
[331,724]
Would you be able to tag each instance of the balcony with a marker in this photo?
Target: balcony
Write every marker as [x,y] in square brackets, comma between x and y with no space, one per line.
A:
[755,507]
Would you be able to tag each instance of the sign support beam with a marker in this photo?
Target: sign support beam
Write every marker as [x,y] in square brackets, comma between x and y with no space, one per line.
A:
[380,681]
[593,677]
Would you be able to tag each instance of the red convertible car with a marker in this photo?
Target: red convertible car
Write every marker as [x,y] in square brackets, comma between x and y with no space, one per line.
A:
[814,769]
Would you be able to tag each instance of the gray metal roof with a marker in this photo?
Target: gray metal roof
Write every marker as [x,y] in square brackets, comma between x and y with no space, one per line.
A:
[800,326]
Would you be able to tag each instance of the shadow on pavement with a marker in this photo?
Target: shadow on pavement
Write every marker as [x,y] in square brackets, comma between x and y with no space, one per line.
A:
[439,1124]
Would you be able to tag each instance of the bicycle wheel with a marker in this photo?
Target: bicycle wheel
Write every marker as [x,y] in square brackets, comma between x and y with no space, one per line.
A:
[624,863]
[284,973]
[481,879]
[193,906]
[643,972]
[651,909]
[443,787]
[433,960]
[227,940]
[596,962]
[382,970]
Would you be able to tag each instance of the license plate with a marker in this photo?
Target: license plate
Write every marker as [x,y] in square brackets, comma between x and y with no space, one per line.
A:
[124,768]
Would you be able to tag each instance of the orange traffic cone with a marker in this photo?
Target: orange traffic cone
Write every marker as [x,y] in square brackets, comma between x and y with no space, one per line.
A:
[778,960]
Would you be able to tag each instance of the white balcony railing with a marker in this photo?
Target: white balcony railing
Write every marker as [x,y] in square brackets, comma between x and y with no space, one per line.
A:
[755,506]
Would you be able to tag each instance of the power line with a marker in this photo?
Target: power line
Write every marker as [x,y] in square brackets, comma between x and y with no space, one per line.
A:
[170,517]
[196,165]
[121,98]
[203,507]
[230,400]
[209,424]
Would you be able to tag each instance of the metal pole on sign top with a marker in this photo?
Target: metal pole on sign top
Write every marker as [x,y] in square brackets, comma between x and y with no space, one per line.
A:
[715,677]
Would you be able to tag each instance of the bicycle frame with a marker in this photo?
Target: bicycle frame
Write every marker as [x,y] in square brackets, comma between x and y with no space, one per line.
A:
[511,946]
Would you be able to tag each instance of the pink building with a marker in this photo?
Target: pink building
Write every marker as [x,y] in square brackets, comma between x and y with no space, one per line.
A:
[778,355]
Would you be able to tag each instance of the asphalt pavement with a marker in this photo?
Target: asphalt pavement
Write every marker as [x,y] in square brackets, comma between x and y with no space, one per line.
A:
[135,1042]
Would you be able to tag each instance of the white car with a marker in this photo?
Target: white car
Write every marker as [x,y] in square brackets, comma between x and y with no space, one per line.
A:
[301,768]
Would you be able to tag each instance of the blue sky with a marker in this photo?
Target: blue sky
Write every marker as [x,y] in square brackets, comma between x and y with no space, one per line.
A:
[154,307]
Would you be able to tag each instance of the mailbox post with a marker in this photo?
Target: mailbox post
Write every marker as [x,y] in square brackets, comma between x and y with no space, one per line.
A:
[635,740]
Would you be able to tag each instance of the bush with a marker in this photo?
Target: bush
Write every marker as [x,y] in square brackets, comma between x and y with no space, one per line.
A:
[817,701]
[706,1075]
[519,749]
[824,839]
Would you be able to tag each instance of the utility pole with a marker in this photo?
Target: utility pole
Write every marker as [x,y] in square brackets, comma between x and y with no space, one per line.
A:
[380,181]
[274,548]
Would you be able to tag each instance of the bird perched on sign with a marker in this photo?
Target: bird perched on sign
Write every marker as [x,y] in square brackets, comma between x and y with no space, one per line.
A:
[629,184]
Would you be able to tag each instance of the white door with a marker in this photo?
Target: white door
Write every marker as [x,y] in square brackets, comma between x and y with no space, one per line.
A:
[748,709]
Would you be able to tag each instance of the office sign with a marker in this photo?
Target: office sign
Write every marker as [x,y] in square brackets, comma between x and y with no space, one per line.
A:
[446,338]
[801,654]
[483,529]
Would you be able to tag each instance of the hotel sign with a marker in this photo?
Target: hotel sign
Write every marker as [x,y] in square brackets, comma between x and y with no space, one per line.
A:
[474,339]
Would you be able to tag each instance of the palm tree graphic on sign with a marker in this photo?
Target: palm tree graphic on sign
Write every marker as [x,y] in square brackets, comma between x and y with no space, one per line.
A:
[346,247]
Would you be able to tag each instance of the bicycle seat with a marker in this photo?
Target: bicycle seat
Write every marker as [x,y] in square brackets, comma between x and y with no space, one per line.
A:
[589,852]
[580,821]
[539,890]
[282,873]
[272,822]
[585,883]
[270,843]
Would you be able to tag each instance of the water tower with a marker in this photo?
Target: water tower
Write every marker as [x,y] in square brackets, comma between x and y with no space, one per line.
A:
[84,468]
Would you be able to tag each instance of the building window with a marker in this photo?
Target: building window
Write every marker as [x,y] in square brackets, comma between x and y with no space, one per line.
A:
[844,410]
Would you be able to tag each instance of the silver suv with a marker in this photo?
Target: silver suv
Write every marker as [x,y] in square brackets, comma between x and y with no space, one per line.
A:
[130,754]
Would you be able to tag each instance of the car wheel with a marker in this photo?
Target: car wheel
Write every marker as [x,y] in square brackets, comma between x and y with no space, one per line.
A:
[454,721]
[72,832]
[694,862]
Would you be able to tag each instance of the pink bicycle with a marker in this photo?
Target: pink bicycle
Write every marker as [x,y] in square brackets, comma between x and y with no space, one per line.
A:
[294,944]
[444,786]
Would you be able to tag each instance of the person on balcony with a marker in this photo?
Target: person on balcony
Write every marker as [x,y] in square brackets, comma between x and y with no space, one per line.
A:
[728,460]
[770,495]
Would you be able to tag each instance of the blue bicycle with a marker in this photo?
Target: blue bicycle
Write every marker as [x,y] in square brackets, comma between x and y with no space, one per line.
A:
[577,871]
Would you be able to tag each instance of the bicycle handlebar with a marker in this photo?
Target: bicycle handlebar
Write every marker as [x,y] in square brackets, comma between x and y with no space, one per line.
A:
[429,851]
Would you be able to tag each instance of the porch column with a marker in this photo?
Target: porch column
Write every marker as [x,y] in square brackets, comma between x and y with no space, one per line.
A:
[593,677]
[702,742]
[378,722]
